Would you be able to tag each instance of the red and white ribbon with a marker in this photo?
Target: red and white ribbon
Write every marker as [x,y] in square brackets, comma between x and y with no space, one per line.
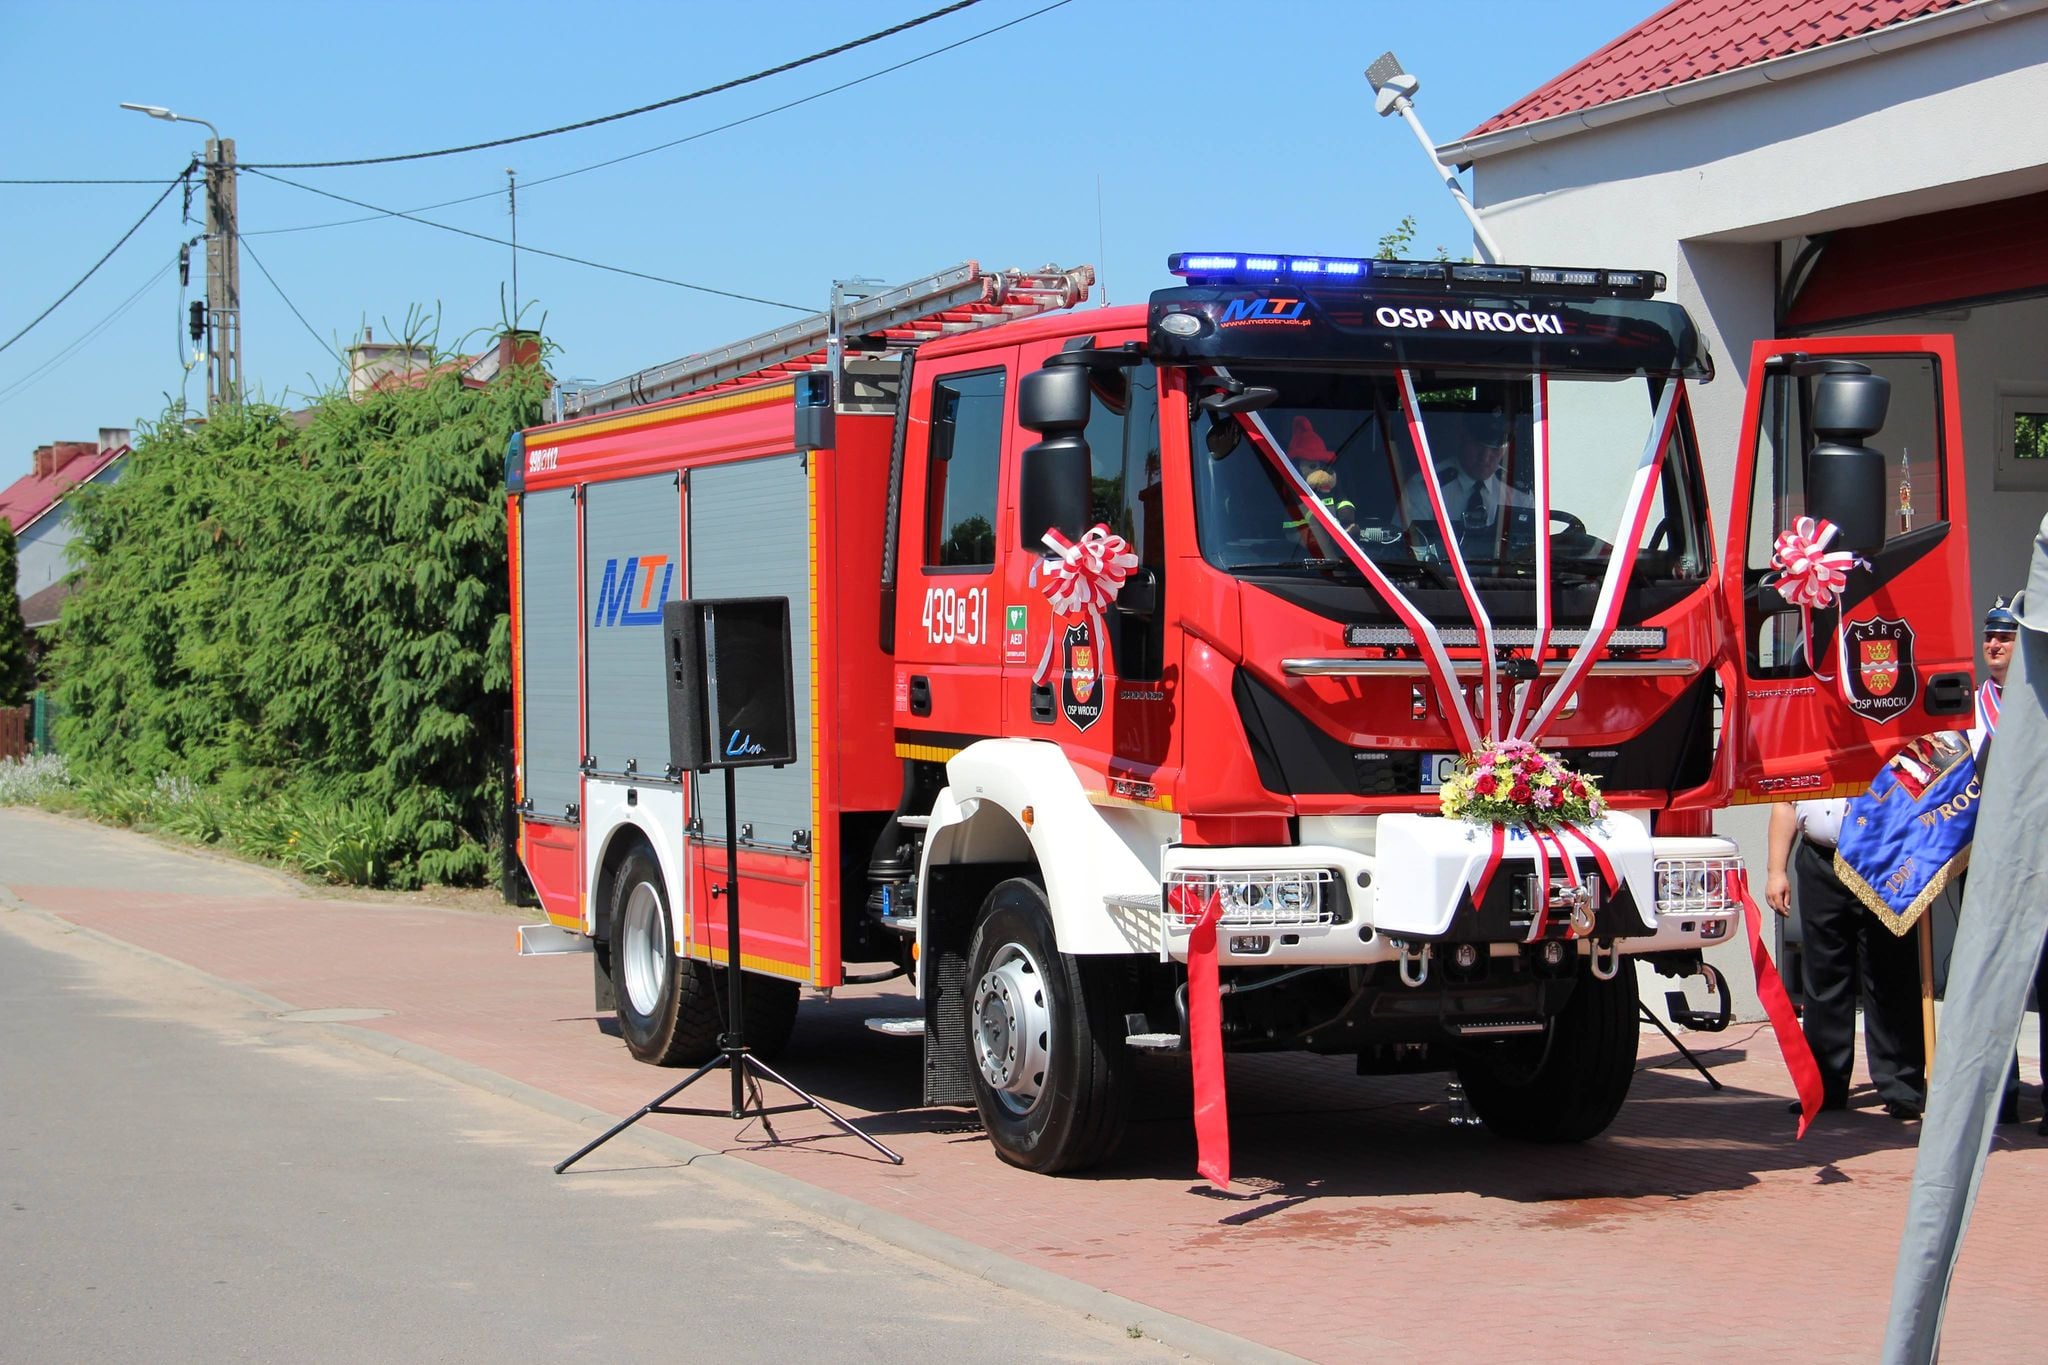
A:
[1808,573]
[1081,578]
[1628,545]
[1812,577]
[1203,911]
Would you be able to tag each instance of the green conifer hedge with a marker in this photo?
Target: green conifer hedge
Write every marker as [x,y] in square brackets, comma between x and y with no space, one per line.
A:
[15,680]
[308,618]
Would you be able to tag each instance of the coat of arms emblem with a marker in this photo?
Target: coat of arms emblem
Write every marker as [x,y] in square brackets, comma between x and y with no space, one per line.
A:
[1881,682]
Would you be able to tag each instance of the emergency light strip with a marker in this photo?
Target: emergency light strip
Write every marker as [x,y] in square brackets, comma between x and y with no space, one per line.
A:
[1482,624]
[1238,267]
[1435,659]
[1628,545]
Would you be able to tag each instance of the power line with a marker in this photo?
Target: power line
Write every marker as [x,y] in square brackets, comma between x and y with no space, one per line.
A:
[88,182]
[721,87]
[693,137]
[104,259]
[67,352]
[532,250]
[288,300]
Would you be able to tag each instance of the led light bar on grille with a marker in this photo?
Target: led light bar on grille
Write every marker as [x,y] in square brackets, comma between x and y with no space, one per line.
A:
[1517,637]
[1256,268]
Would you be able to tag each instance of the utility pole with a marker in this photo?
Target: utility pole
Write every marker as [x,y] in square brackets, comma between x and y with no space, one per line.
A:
[223,277]
[223,262]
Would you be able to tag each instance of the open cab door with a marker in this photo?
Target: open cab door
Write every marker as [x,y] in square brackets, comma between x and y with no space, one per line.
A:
[1865,433]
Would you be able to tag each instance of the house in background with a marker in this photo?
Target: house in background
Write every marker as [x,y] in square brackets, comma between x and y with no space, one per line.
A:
[1817,168]
[36,507]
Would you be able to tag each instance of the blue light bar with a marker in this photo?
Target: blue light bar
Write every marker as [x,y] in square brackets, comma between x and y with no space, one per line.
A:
[1448,276]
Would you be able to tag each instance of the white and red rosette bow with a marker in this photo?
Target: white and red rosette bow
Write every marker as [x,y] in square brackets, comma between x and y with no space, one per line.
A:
[1080,578]
[1809,574]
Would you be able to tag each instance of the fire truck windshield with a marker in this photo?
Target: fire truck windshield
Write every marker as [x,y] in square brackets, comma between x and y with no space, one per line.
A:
[1348,437]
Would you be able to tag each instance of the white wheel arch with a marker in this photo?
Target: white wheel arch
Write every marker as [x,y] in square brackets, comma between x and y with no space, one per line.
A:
[1082,856]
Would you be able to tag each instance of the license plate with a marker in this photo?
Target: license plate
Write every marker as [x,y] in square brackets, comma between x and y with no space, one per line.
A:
[1437,770]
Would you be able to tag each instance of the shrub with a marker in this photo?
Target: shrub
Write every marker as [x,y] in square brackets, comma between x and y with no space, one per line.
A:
[268,609]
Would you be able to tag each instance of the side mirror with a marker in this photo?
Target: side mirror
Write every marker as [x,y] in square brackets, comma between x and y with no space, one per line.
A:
[1845,479]
[1054,493]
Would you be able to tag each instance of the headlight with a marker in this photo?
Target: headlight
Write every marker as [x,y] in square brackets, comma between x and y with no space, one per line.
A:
[1258,899]
[1694,885]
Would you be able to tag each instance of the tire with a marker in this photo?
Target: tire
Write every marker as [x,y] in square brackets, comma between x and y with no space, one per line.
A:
[668,1011]
[1569,1086]
[1049,1064]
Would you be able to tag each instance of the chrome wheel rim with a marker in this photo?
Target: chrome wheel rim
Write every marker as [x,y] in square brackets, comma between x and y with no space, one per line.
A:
[1013,1028]
[644,949]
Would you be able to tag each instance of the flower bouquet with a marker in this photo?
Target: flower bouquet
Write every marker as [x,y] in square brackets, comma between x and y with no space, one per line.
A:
[1512,782]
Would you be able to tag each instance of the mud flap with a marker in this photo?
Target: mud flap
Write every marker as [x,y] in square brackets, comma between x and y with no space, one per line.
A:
[948,1069]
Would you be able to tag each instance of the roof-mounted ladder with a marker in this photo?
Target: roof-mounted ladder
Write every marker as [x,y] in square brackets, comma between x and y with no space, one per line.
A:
[871,327]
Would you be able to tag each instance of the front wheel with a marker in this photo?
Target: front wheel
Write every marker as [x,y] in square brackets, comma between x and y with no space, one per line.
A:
[1049,1061]
[1568,1085]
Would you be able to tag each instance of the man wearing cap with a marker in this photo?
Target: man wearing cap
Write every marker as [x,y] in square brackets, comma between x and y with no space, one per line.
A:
[1846,945]
[1475,485]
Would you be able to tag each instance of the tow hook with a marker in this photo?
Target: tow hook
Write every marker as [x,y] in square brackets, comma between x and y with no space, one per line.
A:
[1414,964]
[1606,959]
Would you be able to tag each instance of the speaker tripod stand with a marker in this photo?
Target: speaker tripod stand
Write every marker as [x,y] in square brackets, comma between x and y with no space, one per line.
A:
[733,1054]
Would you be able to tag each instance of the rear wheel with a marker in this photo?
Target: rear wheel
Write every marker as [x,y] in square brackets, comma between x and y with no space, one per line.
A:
[1049,1061]
[1568,1086]
[668,1013]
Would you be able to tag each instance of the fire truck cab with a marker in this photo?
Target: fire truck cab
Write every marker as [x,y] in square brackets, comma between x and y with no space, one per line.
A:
[1107,615]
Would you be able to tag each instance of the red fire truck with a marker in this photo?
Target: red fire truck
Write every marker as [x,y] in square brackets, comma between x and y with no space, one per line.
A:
[1111,620]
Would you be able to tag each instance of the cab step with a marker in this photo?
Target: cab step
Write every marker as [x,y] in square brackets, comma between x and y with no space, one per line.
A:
[897,1028]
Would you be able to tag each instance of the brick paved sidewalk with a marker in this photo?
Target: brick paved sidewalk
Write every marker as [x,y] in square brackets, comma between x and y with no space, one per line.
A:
[1364,1223]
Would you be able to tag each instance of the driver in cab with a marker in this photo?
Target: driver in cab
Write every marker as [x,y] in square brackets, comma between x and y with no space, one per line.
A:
[1476,488]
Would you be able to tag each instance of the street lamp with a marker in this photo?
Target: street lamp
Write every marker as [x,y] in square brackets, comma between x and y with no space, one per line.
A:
[1394,93]
[223,260]
[158,111]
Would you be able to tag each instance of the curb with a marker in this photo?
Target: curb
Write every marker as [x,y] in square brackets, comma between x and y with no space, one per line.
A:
[891,1229]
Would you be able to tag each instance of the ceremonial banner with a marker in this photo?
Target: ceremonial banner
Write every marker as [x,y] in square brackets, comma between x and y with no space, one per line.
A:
[1910,833]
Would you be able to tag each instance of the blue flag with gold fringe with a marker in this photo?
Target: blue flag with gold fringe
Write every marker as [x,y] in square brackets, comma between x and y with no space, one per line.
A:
[1910,833]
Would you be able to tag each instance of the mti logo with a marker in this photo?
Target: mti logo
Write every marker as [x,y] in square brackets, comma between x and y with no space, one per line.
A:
[1239,311]
[615,598]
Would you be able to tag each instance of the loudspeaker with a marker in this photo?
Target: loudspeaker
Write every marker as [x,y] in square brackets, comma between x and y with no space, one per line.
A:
[731,697]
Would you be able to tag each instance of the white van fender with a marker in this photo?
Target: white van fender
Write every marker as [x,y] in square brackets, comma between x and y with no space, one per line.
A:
[980,818]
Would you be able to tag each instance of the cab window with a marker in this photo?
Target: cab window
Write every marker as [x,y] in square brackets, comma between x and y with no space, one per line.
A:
[960,494]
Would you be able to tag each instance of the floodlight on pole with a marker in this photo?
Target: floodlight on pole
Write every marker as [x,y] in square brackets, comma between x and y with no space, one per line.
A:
[1394,93]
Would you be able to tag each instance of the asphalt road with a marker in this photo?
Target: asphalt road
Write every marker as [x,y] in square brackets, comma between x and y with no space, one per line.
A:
[183,1177]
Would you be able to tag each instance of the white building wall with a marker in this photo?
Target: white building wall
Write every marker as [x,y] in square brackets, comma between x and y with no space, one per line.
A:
[43,550]
[1707,191]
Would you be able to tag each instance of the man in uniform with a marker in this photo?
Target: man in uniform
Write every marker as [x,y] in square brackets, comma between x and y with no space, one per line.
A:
[1847,948]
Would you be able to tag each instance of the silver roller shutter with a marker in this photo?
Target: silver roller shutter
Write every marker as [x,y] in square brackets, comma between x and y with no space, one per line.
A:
[750,537]
[547,633]
[631,546]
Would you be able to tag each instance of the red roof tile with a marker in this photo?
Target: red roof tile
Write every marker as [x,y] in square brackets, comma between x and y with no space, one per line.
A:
[31,495]
[1690,39]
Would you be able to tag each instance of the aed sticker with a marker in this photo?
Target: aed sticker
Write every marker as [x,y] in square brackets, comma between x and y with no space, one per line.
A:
[1016,635]
[1437,769]
[903,692]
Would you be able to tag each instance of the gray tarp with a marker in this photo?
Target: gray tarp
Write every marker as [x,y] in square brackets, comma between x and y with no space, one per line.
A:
[2004,918]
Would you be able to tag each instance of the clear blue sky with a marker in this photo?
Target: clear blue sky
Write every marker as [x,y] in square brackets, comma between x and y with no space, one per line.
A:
[1206,124]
